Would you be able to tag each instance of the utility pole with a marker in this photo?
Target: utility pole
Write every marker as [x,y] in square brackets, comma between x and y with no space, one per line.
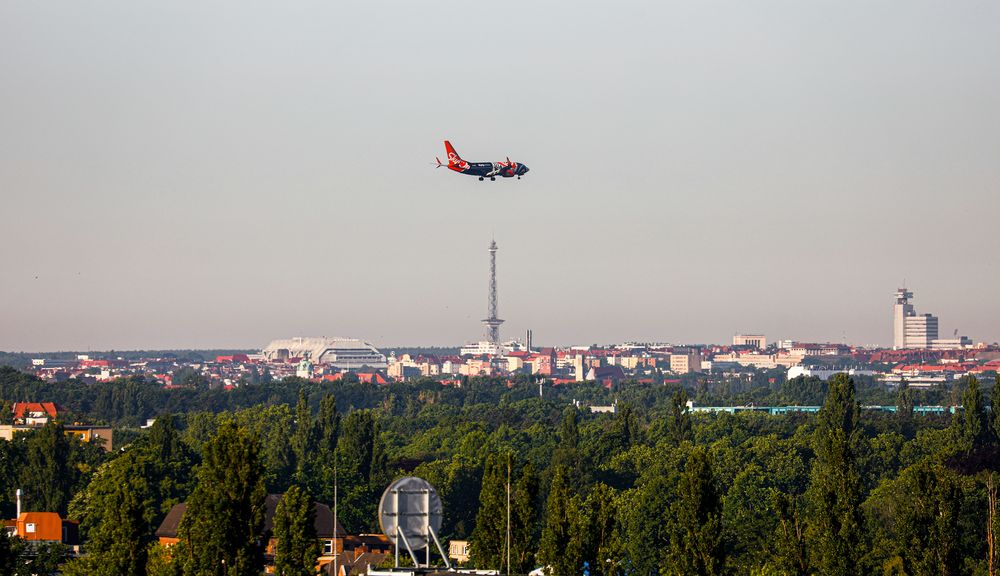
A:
[336,571]
[508,515]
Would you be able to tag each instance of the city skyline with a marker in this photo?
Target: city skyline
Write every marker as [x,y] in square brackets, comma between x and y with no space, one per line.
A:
[196,175]
[900,308]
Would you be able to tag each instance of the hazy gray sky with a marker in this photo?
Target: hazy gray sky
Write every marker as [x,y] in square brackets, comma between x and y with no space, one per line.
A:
[195,174]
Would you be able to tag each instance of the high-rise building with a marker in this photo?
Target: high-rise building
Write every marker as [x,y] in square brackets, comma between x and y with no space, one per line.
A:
[900,312]
[912,330]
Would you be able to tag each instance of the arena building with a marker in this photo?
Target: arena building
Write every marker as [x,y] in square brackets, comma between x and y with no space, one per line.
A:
[344,353]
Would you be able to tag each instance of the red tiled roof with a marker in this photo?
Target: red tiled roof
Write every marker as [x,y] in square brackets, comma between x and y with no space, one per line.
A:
[49,408]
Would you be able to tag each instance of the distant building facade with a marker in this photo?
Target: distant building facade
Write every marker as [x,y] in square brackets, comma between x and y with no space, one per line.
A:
[753,340]
[685,360]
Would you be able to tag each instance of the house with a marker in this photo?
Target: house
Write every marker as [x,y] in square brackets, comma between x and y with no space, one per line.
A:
[372,378]
[36,413]
[102,434]
[458,550]
[39,527]
[330,541]
[359,553]
[606,375]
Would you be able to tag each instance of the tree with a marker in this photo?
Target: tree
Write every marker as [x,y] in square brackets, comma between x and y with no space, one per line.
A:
[561,549]
[10,552]
[223,525]
[995,410]
[973,425]
[304,440]
[790,555]
[928,507]
[602,544]
[49,473]
[835,488]
[126,498]
[118,545]
[568,452]
[524,517]
[44,559]
[625,429]
[904,408]
[489,536]
[296,548]
[679,422]
[322,459]
[161,562]
[696,537]
[363,469]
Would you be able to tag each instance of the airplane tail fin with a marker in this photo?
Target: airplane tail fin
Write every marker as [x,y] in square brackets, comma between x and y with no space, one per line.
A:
[453,157]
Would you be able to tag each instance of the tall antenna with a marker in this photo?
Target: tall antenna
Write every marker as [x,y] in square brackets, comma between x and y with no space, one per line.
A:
[492,322]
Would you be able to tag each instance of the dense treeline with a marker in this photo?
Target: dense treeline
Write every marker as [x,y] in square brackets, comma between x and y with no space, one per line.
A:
[650,489]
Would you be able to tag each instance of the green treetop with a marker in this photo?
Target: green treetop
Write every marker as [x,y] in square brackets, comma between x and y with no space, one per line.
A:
[296,548]
[221,531]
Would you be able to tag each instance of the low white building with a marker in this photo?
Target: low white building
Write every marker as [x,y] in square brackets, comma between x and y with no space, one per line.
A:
[825,373]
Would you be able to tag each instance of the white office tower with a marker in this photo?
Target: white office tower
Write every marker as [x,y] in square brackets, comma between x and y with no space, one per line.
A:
[900,312]
[912,330]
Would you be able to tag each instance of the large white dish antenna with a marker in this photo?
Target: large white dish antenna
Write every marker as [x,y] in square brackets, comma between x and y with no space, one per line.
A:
[410,513]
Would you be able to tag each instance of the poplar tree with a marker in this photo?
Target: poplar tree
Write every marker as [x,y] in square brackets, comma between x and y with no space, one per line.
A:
[904,408]
[222,529]
[48,473]
[489,535]
[567,453]
[994,415]
[835,486]
[304,444]
[362,468]
[323,460]
[679,424]
[524,519]
[696,538]
[974,426]
[561,549]
[603,547]
[296,547]
[928,511]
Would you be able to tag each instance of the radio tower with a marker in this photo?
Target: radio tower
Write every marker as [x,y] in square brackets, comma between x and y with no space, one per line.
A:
[493,323]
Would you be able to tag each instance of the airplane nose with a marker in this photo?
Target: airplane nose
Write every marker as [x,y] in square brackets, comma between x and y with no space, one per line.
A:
[524,169]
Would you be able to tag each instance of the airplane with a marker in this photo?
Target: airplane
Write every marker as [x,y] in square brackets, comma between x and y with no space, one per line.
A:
[484,170]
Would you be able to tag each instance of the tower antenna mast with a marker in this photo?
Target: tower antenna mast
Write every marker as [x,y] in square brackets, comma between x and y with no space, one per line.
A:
[493,323]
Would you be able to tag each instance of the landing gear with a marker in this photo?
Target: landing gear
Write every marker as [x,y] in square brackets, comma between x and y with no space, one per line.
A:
[493,178]
[518,177]
[480,178]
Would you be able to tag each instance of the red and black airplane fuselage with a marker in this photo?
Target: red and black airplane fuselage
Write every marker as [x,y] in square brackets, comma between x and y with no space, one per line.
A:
[484,170]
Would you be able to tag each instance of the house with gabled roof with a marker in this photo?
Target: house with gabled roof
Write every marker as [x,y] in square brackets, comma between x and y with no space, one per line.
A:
[331,538]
